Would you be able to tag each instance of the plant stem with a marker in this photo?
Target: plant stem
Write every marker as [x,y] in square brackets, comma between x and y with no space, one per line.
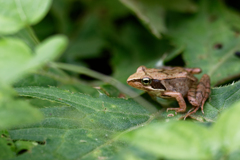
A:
[121,87]
[32,35]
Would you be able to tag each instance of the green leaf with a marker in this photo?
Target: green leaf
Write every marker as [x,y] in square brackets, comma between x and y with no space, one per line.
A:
[24,145]
[5,150]
[14,15]
[9,149]
[210,41]
[16,58]
[26,36]
[36,80]
[186,140]
[49,78]
[48,50]
[17,113]
[111,91]
[227,130]
[14,54]
[83,127]
[80,87]
[81,122]
[152,13]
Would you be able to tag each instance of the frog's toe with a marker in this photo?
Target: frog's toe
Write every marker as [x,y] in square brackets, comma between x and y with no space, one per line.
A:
[170,115]
[185,118]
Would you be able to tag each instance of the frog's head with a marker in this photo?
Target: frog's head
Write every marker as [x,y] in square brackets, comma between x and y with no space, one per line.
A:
[143,80]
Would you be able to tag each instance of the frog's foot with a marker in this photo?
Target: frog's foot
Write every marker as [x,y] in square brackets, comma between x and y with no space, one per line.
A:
[191,112]
[176,110]
[179,98]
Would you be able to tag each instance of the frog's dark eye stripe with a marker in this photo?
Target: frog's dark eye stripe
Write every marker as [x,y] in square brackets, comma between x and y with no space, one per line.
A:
[156,84]
[146,81]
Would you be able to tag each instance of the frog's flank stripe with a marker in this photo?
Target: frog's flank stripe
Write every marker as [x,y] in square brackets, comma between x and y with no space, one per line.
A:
[156,84]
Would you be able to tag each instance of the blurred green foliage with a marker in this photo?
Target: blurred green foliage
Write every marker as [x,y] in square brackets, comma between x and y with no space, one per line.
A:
[54,105]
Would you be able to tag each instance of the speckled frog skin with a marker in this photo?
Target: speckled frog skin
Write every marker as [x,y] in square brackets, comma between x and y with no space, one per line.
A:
[175,83]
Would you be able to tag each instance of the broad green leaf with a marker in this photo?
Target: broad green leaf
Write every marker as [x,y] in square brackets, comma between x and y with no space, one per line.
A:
[80,113]
[15,113]
[16,58]
[80,87]
[9,149]
[16,14]
[209,39]
[152,13]
[134,153]
[26,36]
[5,150]
[227,130]
[48,50]
[186,140]
[51,77]
[111,91]
[14,54]
[24,145]
[83,127]
[36,80]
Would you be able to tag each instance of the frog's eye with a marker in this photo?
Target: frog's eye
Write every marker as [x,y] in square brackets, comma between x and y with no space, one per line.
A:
[146,81]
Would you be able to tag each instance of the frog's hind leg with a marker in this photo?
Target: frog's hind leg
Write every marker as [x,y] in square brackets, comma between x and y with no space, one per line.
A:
[205,80]
[199,93]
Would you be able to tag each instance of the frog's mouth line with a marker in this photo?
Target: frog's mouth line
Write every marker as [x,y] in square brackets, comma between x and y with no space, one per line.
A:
[158,89]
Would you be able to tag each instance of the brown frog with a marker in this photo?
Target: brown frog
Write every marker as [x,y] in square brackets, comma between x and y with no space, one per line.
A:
[175,83]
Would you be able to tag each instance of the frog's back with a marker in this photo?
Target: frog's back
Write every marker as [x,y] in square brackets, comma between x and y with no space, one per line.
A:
[176,79]
[170,73]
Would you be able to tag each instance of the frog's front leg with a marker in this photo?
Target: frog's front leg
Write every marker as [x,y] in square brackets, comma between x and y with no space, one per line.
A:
[179,98]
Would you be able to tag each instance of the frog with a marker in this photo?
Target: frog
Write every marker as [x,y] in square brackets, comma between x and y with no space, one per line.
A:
[173,83]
